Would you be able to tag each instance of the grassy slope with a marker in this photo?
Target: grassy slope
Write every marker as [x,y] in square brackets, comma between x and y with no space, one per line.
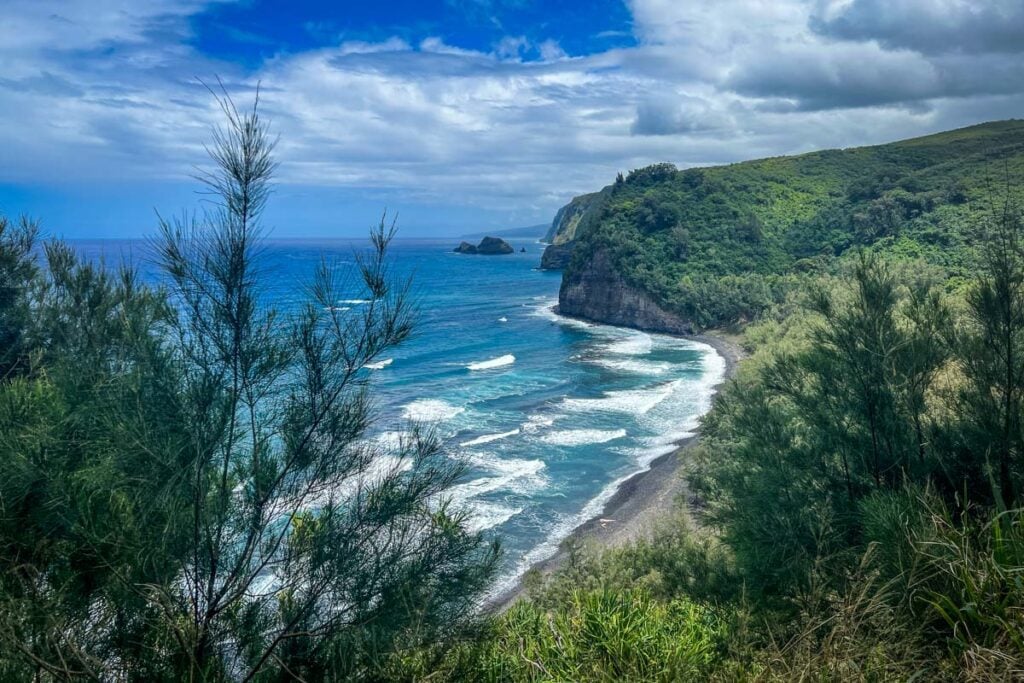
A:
[695,237]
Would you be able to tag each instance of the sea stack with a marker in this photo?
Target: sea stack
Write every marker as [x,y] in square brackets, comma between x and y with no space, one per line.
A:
[489,246]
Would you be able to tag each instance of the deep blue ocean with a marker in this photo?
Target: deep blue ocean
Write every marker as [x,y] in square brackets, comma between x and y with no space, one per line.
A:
[550,413]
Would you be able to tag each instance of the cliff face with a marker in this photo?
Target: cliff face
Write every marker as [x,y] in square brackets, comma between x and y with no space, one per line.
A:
[595,291]
[574,216]
[726,243]
[570,222]
[556,256]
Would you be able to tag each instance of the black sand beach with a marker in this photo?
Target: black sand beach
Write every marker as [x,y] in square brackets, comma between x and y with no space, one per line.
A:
[642,499]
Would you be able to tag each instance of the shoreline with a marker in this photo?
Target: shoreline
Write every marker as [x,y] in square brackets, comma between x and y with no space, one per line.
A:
[641,499]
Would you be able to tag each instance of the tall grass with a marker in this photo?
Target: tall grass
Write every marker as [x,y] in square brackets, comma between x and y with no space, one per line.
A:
[599,635]
[973,589]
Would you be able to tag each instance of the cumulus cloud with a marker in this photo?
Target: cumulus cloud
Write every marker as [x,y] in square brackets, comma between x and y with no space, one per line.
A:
[927,26]
[677,114]
[803,55]
[107,90]
[846,75]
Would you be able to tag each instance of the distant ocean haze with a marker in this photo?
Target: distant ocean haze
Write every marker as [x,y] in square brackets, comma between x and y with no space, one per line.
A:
[550,414]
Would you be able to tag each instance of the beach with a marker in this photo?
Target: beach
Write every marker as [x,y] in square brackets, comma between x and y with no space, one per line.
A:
[642,499]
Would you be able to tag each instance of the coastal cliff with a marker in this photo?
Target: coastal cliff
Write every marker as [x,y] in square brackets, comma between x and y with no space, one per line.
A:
[570,221]
[700,248]
[595,291]
[577,213]
[556,256]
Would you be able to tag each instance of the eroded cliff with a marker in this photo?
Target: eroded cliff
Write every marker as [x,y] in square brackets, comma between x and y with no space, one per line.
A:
[593,290]
[570,221]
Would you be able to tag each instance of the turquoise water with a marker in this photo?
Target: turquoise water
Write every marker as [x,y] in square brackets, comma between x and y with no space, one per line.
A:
[550,413]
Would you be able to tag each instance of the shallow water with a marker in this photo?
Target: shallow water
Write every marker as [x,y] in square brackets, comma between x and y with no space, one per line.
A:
[551,414]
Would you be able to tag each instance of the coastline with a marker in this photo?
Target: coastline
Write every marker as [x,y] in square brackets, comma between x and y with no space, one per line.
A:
[641,499]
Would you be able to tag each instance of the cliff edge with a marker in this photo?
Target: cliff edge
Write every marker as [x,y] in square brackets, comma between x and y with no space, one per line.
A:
[595,291]
[669,249]
[571,221]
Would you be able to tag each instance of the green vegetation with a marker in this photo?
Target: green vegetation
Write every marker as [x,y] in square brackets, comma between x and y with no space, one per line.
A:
[185,490]
[604,634]
[576,216]
[186,493]
[720,245]
[860,502]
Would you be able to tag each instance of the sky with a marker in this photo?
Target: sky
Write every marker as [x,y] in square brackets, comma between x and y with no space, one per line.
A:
[466,115]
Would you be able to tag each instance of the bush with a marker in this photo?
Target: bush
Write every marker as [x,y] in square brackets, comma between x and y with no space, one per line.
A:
[600,635]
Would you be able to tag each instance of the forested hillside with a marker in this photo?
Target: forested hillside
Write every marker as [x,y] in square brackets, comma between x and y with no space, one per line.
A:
[717,245]
[854,509]
[855,504]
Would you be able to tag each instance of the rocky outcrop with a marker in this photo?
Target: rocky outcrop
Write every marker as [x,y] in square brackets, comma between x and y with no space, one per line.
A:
[556,256]
[489,246]
[570,222]
[593,290]
[494,245]
[575,216]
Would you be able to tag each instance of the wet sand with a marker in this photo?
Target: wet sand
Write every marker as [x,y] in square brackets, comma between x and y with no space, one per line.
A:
[641,500]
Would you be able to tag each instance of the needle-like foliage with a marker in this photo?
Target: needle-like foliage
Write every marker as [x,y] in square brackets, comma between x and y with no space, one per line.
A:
[188,490]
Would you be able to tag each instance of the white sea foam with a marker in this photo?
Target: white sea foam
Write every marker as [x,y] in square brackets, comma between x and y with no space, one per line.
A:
[502,319]
[546,310]
[582,437]
[636,344]
[633,401]
[559,531]
[537,422]
[511,467]
[380,365]
[647,454]
[620,341]
[382,466]
[353,302]
[488,438]
[391,440]
[697,393]
[507,359]
[637,367]
[431,410]
[514,475]
[336,308]
[487,515]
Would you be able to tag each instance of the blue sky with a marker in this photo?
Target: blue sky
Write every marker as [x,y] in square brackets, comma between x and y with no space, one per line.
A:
[466,115]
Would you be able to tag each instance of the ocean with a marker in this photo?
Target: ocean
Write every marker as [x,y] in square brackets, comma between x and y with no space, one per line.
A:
[551,414]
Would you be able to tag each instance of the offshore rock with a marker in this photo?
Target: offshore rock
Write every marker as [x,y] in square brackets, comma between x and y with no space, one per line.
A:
[489,246]
[494,245]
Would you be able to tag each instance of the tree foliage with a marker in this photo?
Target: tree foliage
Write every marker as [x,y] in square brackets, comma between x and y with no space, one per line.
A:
[722,245]
[187,490]
[859,495]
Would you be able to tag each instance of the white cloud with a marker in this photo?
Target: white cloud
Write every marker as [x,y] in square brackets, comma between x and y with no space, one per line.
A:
[551,51]
[929,26]
[106,90]
[511,47]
